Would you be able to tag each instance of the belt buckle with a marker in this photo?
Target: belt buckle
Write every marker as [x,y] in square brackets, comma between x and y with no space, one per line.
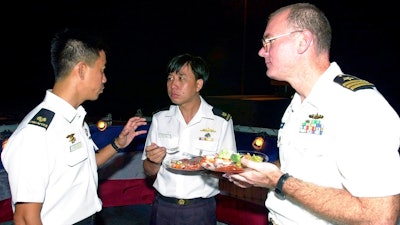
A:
[183,202]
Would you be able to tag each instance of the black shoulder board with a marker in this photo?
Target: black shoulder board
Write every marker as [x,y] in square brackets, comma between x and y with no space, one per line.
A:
[162,109]
[43,118]
[222,114]
[353,83]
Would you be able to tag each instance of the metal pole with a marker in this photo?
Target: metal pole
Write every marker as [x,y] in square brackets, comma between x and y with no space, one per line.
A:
[244,47]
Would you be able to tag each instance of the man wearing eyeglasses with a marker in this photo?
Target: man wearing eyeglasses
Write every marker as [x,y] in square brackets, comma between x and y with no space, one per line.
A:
[339,137]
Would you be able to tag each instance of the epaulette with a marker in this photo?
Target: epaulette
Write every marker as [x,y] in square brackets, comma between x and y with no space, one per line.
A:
[43,118]
[162,109]
[219,112]
[353,83]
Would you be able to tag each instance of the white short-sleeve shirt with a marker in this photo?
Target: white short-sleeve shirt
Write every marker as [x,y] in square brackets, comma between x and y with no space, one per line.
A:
[340,136]
[50,159]
[207,133]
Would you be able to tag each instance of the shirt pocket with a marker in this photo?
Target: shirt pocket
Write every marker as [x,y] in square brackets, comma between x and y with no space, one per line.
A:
[77,153]
[313,145]
[206,147]
[168,141]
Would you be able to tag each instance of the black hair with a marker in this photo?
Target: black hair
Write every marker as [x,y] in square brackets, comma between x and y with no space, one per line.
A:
[198,65]
[71,46]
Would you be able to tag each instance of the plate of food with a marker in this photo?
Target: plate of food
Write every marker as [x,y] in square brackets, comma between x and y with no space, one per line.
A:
[230,162]
[184,165]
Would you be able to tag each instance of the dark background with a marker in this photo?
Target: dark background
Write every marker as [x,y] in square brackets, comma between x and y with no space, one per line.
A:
[145,34]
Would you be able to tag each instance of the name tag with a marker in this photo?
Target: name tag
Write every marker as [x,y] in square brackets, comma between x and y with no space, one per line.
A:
[76,146]
[162,135]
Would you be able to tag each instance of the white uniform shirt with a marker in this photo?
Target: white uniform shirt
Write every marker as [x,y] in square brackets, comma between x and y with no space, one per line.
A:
[50,159]
[338,138]
[206,133]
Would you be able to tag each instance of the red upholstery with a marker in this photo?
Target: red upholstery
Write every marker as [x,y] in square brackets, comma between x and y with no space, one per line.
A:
[234,211]
[6,213]
[126,192]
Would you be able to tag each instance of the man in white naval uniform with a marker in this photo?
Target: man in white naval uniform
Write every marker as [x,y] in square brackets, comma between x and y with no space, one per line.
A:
[190,127]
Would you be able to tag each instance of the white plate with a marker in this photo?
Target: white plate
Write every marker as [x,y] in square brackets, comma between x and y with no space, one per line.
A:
[227,166]
[255,153]
[190,165]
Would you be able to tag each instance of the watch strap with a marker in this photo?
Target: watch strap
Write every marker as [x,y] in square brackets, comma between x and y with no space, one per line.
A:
[116,148]
[279,186]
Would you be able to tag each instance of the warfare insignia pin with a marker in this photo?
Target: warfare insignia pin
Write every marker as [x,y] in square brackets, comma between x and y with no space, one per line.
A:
[316,116]
[207,130]
[71,138]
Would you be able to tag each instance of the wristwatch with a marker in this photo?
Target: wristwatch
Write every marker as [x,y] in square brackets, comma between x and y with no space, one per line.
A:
[116,148]
[279,186]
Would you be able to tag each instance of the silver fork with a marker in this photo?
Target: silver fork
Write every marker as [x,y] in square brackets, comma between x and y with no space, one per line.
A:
[172,150]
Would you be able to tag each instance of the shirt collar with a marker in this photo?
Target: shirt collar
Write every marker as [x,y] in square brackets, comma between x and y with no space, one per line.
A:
[320,87]
[64,108]
[203,112]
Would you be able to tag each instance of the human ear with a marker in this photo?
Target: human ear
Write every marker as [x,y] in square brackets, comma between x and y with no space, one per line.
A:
[81,67]
[306,40]
[199,84]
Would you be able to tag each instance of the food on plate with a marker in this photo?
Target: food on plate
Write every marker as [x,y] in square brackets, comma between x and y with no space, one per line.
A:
[222,162]
[229,162]
[186,164]
[254,157]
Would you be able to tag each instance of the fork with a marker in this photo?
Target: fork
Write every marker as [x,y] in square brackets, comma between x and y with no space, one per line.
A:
[172,150]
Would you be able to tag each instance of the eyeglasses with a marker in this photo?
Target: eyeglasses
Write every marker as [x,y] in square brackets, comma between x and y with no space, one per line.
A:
[266,41]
